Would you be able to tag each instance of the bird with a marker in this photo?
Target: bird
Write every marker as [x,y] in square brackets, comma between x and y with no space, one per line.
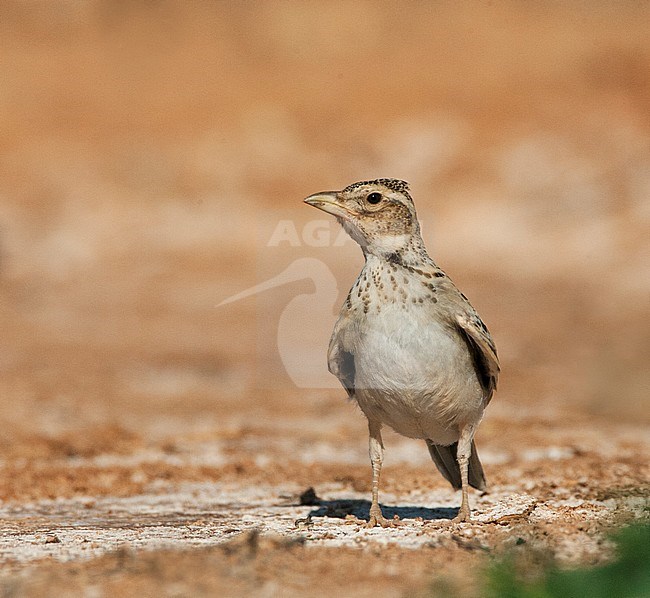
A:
[408,347]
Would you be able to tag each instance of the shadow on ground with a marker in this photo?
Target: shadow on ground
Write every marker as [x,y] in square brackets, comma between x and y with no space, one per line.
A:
[360,508]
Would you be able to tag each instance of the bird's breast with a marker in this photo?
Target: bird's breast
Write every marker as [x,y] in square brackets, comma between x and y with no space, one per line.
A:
[414,373]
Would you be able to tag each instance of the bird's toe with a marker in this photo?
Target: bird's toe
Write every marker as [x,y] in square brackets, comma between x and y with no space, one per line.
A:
[463,516]
[378,520]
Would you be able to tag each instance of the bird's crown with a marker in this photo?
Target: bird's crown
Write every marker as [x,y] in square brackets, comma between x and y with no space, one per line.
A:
[393,184]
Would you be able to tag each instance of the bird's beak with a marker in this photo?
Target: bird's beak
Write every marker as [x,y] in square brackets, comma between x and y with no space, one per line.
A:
[328,202]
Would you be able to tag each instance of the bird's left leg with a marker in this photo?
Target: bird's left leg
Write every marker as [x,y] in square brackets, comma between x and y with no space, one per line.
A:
[462,456]
[376,446]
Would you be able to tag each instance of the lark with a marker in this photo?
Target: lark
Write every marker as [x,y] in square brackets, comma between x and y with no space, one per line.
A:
[408,347]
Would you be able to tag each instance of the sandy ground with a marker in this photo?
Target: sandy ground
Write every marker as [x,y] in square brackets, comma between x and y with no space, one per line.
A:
[158,441]
[226,511]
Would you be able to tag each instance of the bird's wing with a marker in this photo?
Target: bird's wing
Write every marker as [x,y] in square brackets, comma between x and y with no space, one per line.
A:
[482,348]
[340,359]
[460,314]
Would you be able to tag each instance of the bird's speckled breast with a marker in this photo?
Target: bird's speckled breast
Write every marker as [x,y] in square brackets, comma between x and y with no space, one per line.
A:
[412,370]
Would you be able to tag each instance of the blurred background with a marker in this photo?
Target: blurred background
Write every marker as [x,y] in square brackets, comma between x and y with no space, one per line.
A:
[149,149]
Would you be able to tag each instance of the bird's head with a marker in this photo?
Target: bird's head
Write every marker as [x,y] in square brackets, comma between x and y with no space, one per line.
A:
[379,215]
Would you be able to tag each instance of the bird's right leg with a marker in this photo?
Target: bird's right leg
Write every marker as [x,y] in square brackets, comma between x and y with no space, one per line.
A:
[376,458]
[462,455]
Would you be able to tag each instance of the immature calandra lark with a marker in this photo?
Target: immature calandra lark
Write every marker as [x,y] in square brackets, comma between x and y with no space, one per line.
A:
[408,347]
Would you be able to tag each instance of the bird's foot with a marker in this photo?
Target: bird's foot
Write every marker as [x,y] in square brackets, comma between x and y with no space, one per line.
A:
[463,516]
[377,519]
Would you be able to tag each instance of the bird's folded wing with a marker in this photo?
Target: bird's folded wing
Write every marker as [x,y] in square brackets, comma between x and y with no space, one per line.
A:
[341,361]
[482,349]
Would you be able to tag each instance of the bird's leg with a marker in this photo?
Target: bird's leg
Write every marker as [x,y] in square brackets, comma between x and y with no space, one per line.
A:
[462,455]
[376,458]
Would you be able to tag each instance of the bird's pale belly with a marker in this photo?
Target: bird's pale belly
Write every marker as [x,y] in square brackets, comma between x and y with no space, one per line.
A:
[416,376]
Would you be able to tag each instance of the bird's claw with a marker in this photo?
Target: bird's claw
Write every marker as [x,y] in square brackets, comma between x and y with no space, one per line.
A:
[377,519]
[463,516]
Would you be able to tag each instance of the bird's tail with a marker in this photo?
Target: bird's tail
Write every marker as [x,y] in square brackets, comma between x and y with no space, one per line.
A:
[445,459]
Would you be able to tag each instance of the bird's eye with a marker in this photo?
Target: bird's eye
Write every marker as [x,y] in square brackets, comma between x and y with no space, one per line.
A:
[374,198]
